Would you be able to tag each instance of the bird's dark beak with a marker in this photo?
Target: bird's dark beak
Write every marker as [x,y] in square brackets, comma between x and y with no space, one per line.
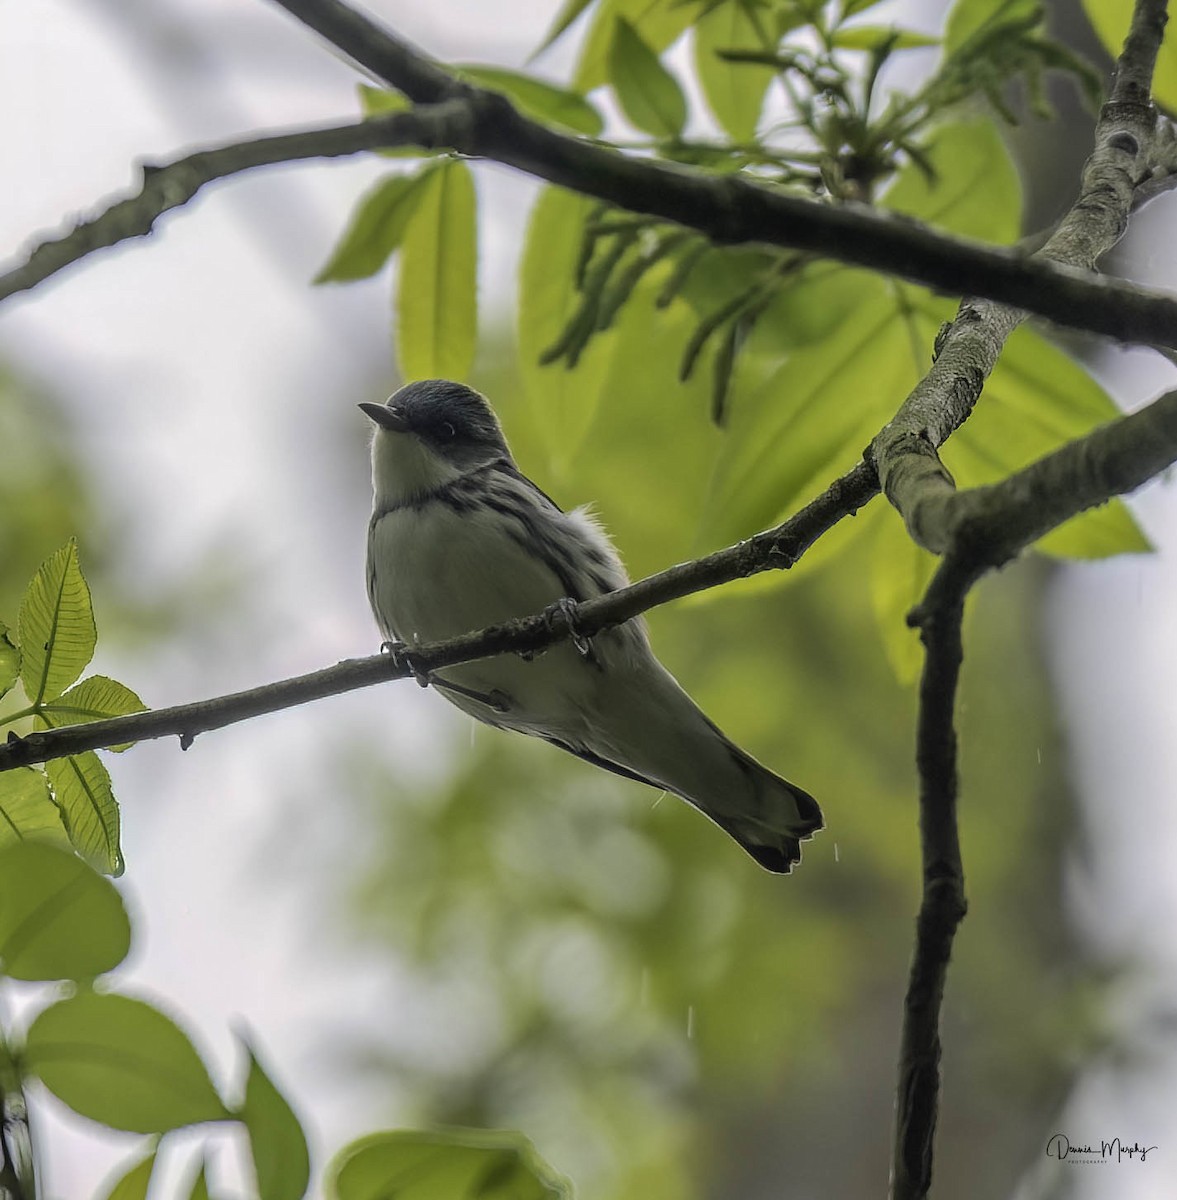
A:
[386,417]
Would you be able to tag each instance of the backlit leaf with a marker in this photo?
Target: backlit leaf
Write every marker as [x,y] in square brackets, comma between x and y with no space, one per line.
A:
[647,92]
[734,90]
[122,1062]
[56,626]
[96,698]
[538,99]
[27,809]
[376,228]
[59,919]
[279,1146]
[657,22]
[437,289]
[452,1164]
[81,786]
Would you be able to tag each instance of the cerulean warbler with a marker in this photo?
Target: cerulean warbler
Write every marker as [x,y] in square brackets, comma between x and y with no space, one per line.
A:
[460,539]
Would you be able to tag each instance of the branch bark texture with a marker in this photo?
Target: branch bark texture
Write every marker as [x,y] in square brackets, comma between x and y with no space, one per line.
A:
[978,530]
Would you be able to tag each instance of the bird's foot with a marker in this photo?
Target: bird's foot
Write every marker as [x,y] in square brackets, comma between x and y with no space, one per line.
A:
[567,608]
[495,700]
[399,653]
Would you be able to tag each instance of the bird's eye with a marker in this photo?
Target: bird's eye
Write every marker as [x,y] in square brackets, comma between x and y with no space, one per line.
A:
[447,430]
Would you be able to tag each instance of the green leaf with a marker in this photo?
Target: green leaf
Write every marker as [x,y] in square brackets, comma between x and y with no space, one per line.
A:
[560,402]
[377,101]
[543,101]
[27,809]
[280,1157]
[867,37]
[59,919]
[1111,20]
[56,626]
[81,787]
[975,191]
[971,17]
[121,1062]
[658,22]
[134,1182]
[734,90]
[647,92]
[9,661]
[376,229]
[452,1164]
[96,698]
[437,291]
[569,11]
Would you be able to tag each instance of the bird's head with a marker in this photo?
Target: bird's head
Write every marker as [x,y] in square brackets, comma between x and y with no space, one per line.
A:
[428,434]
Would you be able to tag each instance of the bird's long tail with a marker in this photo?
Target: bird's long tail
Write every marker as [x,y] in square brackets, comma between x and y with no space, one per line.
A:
[658,733]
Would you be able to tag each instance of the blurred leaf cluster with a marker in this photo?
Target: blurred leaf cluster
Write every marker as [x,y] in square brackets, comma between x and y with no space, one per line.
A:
[125,1063]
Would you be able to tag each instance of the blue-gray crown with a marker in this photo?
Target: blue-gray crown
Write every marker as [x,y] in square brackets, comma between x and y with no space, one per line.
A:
[446,414]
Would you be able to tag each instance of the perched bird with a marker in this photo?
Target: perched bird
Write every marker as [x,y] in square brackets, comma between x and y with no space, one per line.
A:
[460,539]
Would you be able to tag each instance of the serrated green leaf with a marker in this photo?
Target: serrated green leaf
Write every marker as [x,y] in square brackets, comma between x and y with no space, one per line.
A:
[134,1182]
[734,91]
[569,11]
[867,37]
[27,809]
[56,627]
[648,94]
[454,1164]
[81,787]
[9,661]
[1111,20]
[538,99]
[437,318]
[59,919]
[121,1062]
[279,1146]
[655,21]
[560,402]
[975,191]
[96,698]
[376,228]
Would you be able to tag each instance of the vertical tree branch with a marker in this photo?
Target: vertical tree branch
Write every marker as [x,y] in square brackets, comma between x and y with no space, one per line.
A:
[943,905]
[972,540]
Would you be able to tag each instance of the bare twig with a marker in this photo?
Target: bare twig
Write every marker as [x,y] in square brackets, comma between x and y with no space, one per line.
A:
[173,185]
[775,549]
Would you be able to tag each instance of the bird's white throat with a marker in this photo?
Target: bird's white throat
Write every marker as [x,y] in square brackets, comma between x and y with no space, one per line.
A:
[404,467]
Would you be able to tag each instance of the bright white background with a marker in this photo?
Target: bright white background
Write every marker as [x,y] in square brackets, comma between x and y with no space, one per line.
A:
[215,395]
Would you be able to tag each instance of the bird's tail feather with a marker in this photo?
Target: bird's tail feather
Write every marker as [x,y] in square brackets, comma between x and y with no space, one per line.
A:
[672,744]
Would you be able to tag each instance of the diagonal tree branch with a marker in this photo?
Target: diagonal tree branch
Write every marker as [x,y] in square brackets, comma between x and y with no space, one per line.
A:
[729,209]
[173,185]
[775,549]
[733,209]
